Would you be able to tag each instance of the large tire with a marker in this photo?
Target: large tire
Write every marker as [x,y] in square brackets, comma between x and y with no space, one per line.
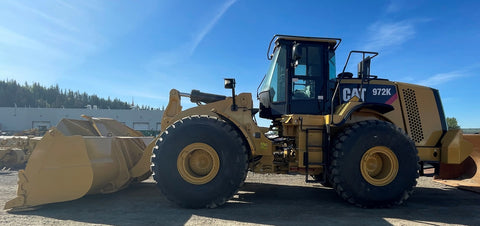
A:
[374,164]
[200,162]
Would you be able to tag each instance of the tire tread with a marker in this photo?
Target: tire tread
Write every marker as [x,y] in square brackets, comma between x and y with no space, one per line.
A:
[338,184]
[224,126]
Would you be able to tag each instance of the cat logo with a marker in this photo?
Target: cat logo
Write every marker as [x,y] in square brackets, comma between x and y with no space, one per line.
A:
[348,93]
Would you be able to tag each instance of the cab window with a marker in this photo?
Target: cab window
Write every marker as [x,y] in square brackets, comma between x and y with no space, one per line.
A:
[275,79]
[332,72]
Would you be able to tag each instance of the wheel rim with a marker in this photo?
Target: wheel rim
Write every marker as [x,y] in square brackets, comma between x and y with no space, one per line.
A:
[379,166]
[198,163]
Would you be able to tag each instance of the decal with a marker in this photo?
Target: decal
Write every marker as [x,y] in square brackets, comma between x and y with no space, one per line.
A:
[348,93]
[370,93]
[392,99]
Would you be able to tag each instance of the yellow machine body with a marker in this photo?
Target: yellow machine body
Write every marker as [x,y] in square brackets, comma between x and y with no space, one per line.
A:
[78,158]
[466,174]
[415,111]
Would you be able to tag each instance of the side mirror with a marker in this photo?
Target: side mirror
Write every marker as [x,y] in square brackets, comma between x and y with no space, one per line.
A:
[229,83]
[296,52]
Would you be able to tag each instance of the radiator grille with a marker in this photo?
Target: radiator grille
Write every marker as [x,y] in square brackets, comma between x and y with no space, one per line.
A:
[416,132]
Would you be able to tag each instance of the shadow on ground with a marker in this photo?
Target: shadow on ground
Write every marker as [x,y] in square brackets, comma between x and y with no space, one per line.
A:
[265,204]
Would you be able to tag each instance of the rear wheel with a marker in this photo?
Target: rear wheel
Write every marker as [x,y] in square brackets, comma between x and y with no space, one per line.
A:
[199,162]
[374,164]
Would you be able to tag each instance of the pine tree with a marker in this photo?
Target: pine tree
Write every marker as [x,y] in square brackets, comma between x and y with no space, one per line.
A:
[35,95]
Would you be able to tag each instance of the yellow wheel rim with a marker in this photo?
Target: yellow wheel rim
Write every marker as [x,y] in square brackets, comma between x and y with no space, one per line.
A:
[379,166]
[198,163]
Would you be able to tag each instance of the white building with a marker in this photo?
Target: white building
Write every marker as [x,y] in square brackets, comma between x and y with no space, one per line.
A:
[19,119]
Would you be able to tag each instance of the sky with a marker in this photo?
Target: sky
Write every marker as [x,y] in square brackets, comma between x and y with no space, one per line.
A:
[139,50]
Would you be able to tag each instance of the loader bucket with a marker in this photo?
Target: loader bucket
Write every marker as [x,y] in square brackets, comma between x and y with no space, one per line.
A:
[467,174]
[77,158]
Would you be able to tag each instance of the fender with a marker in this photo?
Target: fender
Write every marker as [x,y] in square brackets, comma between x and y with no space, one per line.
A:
[241,119]
[347,111]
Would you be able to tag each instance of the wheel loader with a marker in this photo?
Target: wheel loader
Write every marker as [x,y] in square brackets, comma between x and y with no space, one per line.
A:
[365,136]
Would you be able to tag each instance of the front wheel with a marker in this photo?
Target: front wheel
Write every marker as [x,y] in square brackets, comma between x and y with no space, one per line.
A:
[374,164]
[199,162]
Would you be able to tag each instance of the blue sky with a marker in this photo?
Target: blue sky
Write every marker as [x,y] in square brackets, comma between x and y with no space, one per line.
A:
[141,49]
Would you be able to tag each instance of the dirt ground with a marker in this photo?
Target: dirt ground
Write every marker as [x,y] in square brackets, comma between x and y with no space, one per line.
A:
[264,200]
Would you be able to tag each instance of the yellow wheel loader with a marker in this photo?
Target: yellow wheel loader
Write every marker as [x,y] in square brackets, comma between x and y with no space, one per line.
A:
[366,137]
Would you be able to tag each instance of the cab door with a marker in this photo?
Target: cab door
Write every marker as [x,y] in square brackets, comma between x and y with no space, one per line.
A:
[309,77]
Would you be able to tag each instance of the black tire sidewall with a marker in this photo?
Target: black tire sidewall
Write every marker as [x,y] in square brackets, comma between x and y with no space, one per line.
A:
[351,147]
[223,139]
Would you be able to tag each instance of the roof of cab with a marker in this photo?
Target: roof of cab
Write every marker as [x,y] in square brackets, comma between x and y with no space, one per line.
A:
[334,42]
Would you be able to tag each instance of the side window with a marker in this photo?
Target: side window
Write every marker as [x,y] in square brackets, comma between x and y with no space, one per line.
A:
[301,70]
[310,62]
[303,89]
[309,67]
[315,62]
[301,63]
[331,65]
[279,78]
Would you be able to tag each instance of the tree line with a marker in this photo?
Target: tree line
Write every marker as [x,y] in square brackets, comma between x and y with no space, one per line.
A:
[12,94]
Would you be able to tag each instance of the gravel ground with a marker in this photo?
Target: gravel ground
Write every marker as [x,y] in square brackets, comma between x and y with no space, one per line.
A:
[264,200]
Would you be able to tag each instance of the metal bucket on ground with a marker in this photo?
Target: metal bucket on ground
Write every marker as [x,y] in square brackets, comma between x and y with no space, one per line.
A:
[467,174]
[81,157]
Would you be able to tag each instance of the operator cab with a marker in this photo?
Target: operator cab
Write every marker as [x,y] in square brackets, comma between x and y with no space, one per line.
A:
[298,78]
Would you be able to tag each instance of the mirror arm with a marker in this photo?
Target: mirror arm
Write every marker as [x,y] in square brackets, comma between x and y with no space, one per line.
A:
[230,84]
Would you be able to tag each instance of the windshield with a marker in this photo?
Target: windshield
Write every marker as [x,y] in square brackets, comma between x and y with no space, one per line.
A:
[274,80]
